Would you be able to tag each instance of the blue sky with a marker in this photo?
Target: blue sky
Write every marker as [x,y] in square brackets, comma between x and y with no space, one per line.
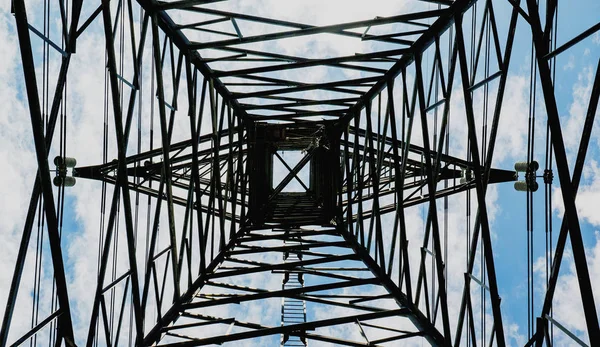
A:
[575,70]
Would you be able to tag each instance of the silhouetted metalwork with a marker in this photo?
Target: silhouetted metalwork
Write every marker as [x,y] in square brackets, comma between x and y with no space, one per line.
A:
[372,146]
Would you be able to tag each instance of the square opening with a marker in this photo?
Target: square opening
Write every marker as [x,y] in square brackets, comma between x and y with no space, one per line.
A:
[280,171]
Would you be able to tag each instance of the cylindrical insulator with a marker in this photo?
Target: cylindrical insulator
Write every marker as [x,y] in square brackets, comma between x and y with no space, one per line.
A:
[70,162]
[65,161]
[67,181]
[523,166]
[521,186]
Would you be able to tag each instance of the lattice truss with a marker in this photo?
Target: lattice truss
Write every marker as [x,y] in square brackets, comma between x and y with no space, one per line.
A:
[246,187]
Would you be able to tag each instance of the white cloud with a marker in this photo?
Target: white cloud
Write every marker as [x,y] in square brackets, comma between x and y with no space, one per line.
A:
[17,175]
[573,125]
[512,129]
[567,306]
[85,141]
[570,65]
[587,196]
[589,189]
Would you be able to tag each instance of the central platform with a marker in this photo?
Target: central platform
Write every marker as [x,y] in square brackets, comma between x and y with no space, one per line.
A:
[317,149]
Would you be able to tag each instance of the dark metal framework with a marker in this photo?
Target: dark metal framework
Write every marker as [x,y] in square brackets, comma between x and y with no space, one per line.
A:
[376,145]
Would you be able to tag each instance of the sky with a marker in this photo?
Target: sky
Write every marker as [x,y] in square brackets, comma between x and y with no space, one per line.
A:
[86,111]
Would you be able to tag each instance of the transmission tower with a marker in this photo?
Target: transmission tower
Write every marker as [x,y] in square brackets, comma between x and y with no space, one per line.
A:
[254,195]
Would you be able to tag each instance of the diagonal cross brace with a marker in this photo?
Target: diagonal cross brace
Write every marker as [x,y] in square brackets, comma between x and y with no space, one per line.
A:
[292,174]
[291,171]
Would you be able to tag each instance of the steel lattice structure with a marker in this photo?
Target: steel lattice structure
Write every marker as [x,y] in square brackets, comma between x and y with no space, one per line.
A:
[370,140]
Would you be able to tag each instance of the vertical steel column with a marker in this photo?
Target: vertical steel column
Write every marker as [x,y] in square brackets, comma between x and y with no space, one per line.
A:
[122,182]
[64,321]
[566,186]
[479,186]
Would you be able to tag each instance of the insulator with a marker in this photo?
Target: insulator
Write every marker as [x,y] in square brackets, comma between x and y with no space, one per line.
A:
[523,166]
[522,186]
[67,181]
[65,161]
[70,162]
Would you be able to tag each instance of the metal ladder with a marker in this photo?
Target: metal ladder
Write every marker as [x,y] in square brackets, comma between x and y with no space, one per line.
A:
[293,311]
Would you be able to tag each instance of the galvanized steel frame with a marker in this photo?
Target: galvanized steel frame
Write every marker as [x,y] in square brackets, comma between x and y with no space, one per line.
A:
[373,166]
